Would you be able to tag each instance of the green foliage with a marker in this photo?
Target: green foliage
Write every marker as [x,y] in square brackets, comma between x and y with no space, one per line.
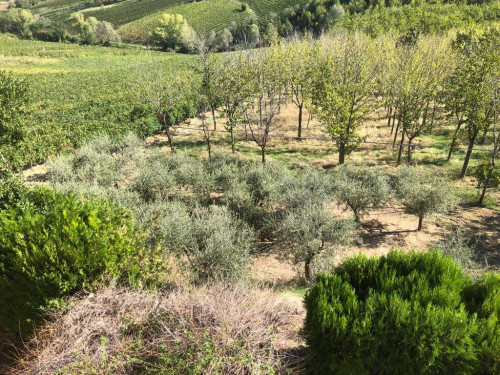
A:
[360,188]
[12,190]
[13,107]
[425,18]
[55,245]
[174,33]
[209,242]
[410,313]
[423,195]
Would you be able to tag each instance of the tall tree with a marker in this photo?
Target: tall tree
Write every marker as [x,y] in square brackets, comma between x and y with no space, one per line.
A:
[233,82]
[345,80]
[298,57]
[469,94]
[167,94]
[419,71]
[263,107]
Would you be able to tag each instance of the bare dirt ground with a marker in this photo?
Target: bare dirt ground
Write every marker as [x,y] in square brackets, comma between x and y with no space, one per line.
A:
[4,6]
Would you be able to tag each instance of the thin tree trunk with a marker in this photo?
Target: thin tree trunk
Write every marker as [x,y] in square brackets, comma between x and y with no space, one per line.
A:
[214,118]
[483,137]
[263,154]
[408,156]
[209,147]
[401,146]
[389,117]
[467,156]
[393,122]
[169,138]
[299,133]
[420,221]
[485,186]
[307,267]
[396,133]
[232,138]
[431,127]
[453,141]
[341,152]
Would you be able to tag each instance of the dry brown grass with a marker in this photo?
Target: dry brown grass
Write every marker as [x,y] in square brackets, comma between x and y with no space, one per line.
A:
[119,331]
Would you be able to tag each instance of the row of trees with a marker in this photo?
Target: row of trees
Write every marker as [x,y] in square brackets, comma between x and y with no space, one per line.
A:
[420,81]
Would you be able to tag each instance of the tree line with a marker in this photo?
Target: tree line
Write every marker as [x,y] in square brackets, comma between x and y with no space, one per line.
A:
[421,82]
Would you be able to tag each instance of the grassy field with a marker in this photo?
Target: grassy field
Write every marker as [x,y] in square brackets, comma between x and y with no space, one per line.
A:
[200,16]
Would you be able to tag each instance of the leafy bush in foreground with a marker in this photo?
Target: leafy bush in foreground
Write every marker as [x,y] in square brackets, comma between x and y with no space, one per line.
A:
[55,245]
[403,313]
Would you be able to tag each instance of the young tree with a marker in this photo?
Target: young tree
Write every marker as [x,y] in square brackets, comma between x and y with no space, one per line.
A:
[422,195]
[168,95]
[311,232]
[209,88]
[232,81]
[223,39]
[261,110]
[208,132]
[14,99]
[360,188]
[345,80]
[298,58]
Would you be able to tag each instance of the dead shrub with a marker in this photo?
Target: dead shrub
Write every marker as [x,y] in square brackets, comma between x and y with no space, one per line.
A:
[209,330]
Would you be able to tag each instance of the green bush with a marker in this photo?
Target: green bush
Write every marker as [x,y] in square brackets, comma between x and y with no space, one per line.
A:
[410,313]
[55,245]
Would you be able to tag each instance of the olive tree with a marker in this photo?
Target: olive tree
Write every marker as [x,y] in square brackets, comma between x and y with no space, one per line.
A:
[360,188]
[311,232]
[209,242]
[424,195]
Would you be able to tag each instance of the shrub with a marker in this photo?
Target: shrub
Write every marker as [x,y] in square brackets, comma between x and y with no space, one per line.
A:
[211,330]
[410,313]
[360,188]
[423,195]
[56,245]
[210,242]
[12,190]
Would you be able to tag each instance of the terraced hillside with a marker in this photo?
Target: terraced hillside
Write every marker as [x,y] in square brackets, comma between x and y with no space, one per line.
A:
[128,11]
[203,16]
[264,8]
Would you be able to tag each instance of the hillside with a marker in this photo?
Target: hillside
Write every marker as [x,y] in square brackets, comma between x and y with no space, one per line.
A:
[200,16]
[203,15]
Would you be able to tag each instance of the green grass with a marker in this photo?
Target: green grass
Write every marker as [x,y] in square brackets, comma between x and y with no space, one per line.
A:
[131,10]
[200,15]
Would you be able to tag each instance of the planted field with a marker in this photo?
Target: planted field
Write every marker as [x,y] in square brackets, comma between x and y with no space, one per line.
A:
[263,8]
[128,11]
[200,16]
[72,80]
